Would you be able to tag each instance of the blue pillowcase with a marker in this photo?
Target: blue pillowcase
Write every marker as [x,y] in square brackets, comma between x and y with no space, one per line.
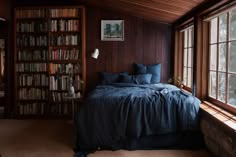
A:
[126,79]
[154,69]
[108,78]
[142,78]
[137,79]
[140,69]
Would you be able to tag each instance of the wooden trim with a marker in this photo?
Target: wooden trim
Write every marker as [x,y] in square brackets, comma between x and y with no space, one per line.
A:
[195,50]
[227,107]
[185,24]
[14,108]
[84,48]
[220,10]
[204,59]
[176,56]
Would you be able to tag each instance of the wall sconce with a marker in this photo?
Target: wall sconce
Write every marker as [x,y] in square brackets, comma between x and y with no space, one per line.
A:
[95,54]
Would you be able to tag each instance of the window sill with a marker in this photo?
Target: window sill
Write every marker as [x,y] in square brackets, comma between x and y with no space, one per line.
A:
[220,114]
[186,91]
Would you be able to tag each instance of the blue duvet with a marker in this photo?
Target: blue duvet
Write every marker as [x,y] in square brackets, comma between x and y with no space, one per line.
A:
[113,113]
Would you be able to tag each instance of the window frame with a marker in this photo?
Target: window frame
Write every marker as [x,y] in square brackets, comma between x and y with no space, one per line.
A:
[191,27]
[225,105]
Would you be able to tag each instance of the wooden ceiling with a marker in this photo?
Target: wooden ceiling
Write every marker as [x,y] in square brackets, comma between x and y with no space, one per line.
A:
[166,11]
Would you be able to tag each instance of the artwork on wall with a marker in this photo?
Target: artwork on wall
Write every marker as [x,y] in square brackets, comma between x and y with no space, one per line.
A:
[112,30]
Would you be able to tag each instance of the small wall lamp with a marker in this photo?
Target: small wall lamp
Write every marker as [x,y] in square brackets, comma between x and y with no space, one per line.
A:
[95,54]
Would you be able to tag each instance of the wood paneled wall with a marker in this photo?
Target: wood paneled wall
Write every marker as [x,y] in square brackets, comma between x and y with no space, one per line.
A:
[5,9]
[145,42]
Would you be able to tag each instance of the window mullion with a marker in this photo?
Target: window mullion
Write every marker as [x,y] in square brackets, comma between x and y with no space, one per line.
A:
[217,60]
[227,60]
[187,59]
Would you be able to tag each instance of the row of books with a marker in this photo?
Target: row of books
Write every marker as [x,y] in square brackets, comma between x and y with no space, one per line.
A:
[70,12]
[32,94]
[33,80]
[64,25]
[32,108]
[31,13]
[31,67]
[32,26]
[63,82]
[57,96]
[55,25]
[64,54]
[64,68]
[59,68]
[32,55]
[30,40]
[59,83]
[45,109]
[60,40]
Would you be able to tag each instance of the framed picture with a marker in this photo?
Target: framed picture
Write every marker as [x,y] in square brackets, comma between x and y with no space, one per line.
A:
[112,30]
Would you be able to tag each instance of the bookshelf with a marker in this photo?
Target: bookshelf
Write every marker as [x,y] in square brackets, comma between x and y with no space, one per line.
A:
[49,50]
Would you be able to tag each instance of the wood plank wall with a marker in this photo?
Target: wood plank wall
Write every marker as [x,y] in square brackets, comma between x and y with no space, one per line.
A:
[145,42]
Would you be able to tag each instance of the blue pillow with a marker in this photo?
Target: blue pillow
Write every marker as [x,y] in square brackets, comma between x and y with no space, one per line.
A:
[155,70]
[126,79]
[140,69]
[108,78]
[142,78]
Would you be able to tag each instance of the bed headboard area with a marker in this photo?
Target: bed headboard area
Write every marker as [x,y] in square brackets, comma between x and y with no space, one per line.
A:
[145,42]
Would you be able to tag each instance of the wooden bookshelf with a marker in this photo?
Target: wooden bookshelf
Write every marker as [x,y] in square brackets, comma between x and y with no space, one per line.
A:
[48,42]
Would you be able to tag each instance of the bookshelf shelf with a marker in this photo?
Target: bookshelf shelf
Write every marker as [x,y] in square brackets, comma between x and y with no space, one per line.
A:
[32,33]
[49,42]
[32,87]
[64,46]
[67,17]
[31,61]
[64,61]
[64,32]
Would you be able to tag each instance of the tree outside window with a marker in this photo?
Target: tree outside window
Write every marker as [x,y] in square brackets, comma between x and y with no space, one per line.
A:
[222,67]
[188,57]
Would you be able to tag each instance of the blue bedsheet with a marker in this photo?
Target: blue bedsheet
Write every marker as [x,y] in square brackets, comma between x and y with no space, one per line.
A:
[113,113]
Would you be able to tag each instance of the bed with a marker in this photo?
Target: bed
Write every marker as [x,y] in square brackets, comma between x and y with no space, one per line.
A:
[137,116]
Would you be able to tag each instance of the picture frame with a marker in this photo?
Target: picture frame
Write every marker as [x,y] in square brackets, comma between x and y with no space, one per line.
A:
[112,30]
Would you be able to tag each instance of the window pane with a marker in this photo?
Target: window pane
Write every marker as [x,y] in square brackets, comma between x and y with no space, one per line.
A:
[185,76]
[190,35]
[190,57]
[222,27]
[185,39]
[232,27]
[221,86]
[214,30]
[222,57]
[185,57]
[232,56]
[212,84]
[232,90]
[189,82]
[213,57]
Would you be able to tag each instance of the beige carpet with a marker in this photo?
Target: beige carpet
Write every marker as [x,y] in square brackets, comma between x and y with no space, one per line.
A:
[55,138]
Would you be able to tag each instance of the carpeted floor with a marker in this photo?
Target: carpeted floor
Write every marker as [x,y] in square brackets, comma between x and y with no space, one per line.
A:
[49,138]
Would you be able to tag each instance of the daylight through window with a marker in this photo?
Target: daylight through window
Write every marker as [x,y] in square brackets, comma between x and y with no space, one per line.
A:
[188,57]
[222,68]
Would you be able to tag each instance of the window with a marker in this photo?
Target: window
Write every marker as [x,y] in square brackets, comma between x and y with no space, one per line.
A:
[188,57]
[222,54]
